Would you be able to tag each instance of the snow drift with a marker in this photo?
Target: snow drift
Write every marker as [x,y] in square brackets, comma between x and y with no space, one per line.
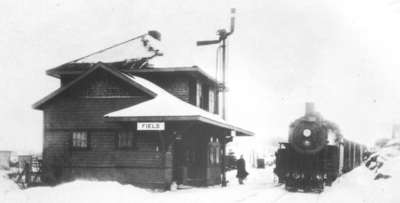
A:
[357,186]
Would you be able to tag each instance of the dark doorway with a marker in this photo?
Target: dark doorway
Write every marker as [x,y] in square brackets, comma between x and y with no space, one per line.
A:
[178,161]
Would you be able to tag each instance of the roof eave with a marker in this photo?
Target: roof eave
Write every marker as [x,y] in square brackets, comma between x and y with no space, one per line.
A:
[151,118]
[239,131]
[52,73]
[194,71]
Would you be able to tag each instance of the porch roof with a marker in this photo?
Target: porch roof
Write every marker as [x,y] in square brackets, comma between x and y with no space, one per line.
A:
[166,107]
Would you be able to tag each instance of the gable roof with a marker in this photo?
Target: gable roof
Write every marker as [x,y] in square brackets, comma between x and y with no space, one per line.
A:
[162,105]
[167,107]
[40,103]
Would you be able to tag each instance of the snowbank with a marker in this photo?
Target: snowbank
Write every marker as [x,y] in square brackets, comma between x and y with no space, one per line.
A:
[8,189]
[6,185]
[77,191]
[358,186]
[96,191]
[87,191]
[362,184]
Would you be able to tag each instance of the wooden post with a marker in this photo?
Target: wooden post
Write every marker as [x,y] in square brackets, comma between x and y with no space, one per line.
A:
[223,145]
[162,149]
[162,142]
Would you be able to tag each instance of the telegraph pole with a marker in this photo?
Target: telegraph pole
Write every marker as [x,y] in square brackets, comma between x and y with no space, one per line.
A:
[223,35]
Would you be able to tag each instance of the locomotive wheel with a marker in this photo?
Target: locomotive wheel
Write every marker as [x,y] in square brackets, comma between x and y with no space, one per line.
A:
[277,180]
[290,189]
[318,190]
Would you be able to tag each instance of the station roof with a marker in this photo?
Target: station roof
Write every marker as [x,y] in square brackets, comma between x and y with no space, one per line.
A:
[132,67]
[165,106]
[161,106]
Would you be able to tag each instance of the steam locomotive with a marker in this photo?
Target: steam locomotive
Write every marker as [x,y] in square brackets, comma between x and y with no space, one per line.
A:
[316,154]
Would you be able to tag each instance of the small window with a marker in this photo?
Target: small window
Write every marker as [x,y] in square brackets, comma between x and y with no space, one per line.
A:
[217,155]
[126,140]
[80,140]
[199,96]
[211,155]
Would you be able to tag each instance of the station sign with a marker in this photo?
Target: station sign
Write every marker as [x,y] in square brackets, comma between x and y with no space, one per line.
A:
[148,126]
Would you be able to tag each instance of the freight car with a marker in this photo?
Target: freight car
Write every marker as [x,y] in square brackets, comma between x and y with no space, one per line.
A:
[316,154]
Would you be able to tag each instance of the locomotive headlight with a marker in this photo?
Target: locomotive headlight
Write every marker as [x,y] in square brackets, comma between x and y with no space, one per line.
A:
[307,143]
[307,132]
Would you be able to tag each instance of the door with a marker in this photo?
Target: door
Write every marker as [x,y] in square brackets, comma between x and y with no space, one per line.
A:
[178,161]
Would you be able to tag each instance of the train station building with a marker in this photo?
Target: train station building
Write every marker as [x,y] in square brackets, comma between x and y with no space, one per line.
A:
[144,126]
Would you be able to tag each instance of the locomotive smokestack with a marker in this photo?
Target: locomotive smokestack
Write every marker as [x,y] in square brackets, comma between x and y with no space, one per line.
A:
[310,108]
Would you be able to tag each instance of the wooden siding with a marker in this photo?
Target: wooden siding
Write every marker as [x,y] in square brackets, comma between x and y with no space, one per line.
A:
[103,161]
[84,113]
[177,85]
[214,175]
[76,110]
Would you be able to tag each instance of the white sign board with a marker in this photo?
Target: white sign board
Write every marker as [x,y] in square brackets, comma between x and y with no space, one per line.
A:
[159,126]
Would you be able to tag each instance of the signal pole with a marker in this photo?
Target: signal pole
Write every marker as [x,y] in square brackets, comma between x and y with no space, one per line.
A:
[223,35]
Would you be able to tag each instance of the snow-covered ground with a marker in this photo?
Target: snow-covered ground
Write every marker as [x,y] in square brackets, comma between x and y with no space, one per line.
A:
[356,186]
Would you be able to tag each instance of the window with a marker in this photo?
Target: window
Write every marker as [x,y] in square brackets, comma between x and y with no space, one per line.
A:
[211,154]
[217,155]
[199,96]
[214,153]
[80,140]
[204,103]
[125,140]
[211,97]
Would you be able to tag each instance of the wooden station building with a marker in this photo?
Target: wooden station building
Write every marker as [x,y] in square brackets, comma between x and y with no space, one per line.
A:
[143,126]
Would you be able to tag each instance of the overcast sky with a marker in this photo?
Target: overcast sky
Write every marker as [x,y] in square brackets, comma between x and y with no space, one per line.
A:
[342,55]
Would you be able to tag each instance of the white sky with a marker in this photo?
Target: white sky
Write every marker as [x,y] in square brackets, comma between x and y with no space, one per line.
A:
[341,54]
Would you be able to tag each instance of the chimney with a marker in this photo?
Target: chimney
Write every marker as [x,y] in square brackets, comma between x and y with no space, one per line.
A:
[310,108]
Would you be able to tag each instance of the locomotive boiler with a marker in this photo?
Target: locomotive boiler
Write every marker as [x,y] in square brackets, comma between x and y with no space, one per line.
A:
[316,153]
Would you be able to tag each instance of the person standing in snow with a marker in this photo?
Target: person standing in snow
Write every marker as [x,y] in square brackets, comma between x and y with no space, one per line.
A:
[241,169]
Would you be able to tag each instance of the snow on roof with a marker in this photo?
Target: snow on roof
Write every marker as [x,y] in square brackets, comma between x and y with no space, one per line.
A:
[168,107]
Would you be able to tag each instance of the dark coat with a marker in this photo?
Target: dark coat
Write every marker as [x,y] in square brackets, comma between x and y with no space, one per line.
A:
[241,169]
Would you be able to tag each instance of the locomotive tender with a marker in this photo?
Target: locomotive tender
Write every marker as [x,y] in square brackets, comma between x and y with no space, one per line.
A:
[316,153]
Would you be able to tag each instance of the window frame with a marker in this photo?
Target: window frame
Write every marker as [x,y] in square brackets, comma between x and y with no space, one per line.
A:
[128,133]
[217,155]
[211,100]
[211,155]
[80,148]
